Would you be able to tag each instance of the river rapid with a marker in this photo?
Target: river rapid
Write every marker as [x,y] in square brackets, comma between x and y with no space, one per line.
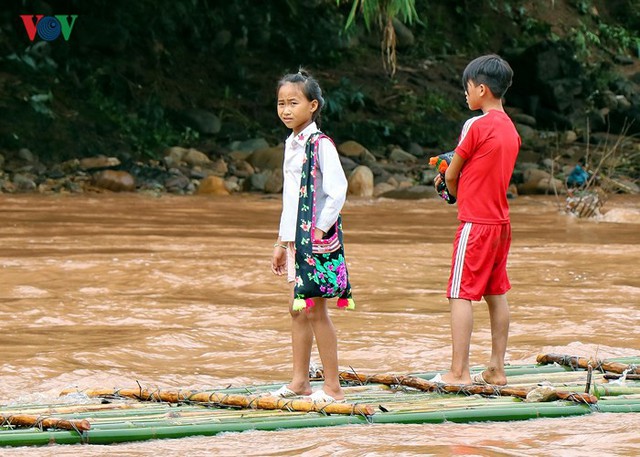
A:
[108,289]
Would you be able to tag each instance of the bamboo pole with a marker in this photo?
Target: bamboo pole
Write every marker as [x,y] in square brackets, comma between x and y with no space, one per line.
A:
[515,411]
[614,390]
[29,420]
[629,377]
[511,371]
[127,433]
[63,409]
[242,401]
[583,363]
[471,389]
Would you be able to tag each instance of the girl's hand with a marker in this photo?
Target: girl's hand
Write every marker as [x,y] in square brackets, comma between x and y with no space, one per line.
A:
[317,234]
[279,261]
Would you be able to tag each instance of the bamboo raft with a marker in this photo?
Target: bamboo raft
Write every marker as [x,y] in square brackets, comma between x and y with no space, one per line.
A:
[557,386]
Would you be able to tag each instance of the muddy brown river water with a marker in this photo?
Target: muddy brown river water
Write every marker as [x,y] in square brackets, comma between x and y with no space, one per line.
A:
[176,292]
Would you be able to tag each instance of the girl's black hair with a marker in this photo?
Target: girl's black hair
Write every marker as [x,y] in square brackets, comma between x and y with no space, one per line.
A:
[491,70]
[310,89]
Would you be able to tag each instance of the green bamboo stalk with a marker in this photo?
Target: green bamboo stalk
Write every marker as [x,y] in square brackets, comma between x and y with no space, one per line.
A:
[146,416]
[629,360]
[144,421]
[633,402]
[482,415]
[461,415]
[158,416]
[605,407]
[601,390]
[509,370]
[513,411]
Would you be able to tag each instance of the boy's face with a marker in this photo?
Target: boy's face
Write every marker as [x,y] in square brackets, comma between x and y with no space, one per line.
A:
[474,95]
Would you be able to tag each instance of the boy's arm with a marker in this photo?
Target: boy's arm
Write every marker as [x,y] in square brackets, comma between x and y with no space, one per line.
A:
[452,174]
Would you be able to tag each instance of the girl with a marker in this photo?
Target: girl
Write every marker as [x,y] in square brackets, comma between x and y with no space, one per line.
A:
[299,104]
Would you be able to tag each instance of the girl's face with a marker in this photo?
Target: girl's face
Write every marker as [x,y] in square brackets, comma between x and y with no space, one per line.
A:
[294,110]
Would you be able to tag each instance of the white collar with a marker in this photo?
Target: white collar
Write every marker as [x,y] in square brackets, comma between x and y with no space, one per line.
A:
[302,137]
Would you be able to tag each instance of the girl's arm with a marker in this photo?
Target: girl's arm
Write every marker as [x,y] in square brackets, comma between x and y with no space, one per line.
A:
[279,258]
[334,184]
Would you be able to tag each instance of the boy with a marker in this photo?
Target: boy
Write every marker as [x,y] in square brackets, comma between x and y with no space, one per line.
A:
[478,176]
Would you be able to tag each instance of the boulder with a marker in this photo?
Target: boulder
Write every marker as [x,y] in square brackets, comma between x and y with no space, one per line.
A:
[219,167]
[525,119]
[536,181]
[175,155]
[399,155]
[92,163]
[241,169]
[194,158]
[24,183]
[361,182]
[249,145]
[212,185]
[404,35]
[382,188]
[267,158]
[352,149]
[258,181]
[114,180]
[203,121]
[274,182]
[177,184]
[411,193]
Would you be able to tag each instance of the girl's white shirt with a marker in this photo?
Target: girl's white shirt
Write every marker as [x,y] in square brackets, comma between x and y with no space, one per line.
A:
[331,183]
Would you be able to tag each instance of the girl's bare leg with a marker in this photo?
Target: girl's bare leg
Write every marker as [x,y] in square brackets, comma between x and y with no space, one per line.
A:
[301,341]
[327,342]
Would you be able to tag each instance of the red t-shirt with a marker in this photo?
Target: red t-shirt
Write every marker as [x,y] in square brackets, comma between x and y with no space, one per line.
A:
[489,144]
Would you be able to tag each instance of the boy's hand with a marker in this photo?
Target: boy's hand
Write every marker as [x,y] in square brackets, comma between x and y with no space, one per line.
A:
[441,163]
[441,188]
[437,180]
[317,234]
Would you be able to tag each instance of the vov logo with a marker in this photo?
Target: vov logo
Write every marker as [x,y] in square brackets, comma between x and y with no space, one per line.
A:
[48,28]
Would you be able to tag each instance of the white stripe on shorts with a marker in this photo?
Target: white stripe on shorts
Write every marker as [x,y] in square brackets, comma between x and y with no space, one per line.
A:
[459,262]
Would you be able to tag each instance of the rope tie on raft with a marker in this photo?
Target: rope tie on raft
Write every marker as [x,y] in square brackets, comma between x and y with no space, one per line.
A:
[573,362]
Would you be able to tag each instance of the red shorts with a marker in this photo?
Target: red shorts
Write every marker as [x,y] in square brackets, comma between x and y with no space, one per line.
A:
[479,263]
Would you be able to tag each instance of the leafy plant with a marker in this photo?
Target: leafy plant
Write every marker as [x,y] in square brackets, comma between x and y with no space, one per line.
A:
[583,6]
[382,13]
[620,38]
[582,40]
[146,130]
[40,103]
[343,97]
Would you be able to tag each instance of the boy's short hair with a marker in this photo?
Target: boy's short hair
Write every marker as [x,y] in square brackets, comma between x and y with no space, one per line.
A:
[490,70]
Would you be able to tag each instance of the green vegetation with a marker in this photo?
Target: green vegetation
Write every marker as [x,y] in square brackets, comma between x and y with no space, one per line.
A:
[122,81]
[147,130]
[383,12]
[343,98]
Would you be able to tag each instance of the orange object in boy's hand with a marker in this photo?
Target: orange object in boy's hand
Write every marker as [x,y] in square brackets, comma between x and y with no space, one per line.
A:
[441,162]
